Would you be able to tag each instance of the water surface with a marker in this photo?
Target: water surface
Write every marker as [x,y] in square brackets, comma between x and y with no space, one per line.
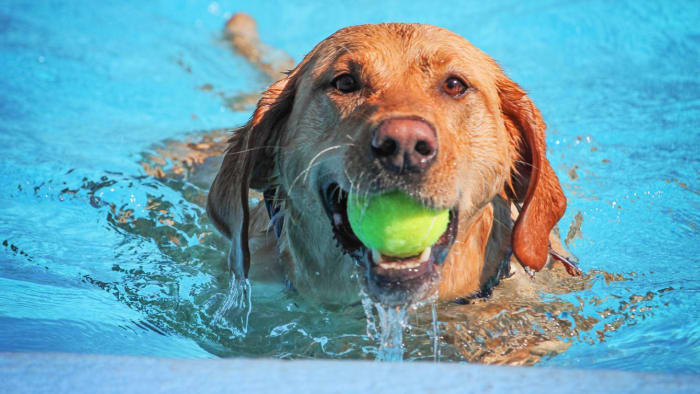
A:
[97,256]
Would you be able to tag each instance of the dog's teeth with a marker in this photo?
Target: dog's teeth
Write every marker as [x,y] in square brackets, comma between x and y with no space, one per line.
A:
[377,257]
[426,254]
[379,260]
[337,219]
[400,266]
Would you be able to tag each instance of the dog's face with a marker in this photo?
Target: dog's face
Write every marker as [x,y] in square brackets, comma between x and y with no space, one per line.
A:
[378,108]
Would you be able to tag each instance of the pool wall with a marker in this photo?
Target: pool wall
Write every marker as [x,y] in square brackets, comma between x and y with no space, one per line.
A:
[71,373]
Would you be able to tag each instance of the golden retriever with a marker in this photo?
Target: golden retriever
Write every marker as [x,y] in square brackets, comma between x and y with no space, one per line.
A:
[376,108]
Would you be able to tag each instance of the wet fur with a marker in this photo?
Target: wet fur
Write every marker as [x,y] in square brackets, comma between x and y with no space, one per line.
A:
[492,155]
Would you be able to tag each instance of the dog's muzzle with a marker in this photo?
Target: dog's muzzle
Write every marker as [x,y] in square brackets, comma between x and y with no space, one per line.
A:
[390,280]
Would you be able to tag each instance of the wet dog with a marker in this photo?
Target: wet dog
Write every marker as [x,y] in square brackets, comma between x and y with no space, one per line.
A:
[377,108]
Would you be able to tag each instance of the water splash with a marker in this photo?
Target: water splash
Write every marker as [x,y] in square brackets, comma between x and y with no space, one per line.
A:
[392,321]
[234,312]
[385,327]
[169,265]
[368,305]
[436,332]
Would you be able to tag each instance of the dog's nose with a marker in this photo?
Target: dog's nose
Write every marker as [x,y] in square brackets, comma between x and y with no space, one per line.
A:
[405,144]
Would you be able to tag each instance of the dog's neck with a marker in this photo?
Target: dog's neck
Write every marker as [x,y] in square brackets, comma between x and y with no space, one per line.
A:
[485,247]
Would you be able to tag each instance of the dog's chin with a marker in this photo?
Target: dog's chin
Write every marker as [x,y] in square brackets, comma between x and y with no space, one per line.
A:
[390,287]
[391,281]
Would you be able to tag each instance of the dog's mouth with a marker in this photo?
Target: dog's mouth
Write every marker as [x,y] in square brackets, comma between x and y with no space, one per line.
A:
[403,276]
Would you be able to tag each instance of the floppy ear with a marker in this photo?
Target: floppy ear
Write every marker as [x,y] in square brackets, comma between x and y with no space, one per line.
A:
[532,179]
[249,163]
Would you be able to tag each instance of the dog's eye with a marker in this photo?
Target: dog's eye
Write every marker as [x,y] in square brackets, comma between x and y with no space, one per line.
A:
[454,87]
[345,83]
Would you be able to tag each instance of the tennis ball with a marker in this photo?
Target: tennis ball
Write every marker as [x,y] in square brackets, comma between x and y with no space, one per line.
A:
[395,224]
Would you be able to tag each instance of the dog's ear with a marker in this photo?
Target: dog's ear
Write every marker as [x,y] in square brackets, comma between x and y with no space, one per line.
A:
[249,162]
[532,178]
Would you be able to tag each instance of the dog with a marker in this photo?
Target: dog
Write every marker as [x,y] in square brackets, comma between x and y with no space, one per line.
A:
[373,109]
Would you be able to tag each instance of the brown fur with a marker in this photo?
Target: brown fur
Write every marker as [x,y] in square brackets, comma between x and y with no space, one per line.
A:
[492,154]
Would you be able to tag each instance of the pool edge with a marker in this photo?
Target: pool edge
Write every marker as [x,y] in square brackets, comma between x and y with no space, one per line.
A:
[73,373]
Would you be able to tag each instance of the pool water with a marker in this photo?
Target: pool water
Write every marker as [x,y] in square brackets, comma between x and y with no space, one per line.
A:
[97,256]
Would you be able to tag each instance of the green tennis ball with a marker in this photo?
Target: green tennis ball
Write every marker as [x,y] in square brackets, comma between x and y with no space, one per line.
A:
[395,224]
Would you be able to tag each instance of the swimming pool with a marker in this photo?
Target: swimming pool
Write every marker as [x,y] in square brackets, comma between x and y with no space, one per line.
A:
[98,257]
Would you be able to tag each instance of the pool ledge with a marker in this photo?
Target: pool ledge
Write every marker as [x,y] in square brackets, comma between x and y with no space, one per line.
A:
[74,373]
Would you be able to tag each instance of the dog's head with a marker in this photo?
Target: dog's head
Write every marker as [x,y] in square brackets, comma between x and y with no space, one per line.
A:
[376,108]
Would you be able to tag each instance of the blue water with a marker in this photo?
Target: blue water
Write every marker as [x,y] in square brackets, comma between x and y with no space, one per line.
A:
[86,88]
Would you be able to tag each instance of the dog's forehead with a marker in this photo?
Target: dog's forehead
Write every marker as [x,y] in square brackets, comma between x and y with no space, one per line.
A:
[397,47]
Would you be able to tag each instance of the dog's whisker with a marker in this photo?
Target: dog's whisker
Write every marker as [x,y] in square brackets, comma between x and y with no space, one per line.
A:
[302,173]
[263,147]
[278,200]
[499,222]
[248,150]
[313,163]
[525,163]
[330,148]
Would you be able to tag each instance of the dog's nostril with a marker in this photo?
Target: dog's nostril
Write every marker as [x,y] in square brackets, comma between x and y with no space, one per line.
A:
[424,148]
[404,144]
[388,147]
